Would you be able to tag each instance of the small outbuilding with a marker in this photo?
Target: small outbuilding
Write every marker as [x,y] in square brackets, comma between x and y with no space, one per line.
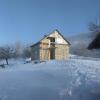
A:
[95,44]
[51,46]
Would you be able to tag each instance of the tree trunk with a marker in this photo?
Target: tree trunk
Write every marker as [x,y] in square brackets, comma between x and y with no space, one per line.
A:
[6,61]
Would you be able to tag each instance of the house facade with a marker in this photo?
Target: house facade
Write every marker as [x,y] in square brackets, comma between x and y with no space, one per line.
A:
[52,46]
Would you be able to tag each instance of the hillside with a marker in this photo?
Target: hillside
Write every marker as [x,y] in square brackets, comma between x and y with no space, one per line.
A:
[79,44]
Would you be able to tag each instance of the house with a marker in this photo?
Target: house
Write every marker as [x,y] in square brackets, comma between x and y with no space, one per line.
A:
[95,44]
[52,46]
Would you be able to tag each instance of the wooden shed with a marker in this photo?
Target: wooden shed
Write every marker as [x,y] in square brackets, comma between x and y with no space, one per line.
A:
[95,44]
[52,46]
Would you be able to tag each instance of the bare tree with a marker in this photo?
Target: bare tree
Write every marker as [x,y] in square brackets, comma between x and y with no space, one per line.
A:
[94,27]
[18,49]
[27,53]
[6,53]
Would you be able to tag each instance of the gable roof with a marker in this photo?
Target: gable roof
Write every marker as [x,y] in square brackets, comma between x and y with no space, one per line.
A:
[95,44]
[49,35]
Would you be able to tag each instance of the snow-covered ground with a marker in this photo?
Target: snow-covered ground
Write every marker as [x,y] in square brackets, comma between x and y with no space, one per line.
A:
[71,79]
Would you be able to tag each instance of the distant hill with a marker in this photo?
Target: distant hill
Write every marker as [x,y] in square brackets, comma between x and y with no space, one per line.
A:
[83,38]
[79,45]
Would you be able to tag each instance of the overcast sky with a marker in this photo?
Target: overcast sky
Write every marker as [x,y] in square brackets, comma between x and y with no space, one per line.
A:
[29,20]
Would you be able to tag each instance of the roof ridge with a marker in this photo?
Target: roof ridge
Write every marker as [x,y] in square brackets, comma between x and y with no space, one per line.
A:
[50,34]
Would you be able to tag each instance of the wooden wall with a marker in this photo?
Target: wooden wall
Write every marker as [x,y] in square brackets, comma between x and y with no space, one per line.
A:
[42,50]
[61,52]
[35,52]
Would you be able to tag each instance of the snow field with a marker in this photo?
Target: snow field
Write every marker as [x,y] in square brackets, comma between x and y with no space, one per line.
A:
[71,79]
